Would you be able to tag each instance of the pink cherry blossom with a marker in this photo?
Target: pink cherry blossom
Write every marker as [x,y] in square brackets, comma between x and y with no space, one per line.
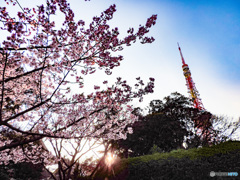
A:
[39,64]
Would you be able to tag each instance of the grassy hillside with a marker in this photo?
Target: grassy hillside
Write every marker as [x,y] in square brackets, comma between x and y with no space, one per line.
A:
[196,163]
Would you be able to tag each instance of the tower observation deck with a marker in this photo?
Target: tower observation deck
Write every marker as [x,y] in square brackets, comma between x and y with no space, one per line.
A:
[191,85]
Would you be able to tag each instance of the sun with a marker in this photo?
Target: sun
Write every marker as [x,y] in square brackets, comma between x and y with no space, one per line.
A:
[110,157]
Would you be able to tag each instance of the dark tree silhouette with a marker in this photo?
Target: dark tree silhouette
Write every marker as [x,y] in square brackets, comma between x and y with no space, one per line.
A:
[167,125]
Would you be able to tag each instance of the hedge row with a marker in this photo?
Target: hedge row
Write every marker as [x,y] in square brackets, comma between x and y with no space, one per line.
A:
[180,164]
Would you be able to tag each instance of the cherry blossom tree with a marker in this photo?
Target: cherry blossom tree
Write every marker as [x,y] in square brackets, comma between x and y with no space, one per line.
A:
[39,64]
[70,157]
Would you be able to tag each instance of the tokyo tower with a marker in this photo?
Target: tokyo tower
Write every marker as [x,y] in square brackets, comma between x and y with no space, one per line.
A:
[191,85]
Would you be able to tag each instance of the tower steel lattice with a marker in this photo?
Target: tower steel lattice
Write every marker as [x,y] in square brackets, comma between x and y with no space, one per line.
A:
[191,85]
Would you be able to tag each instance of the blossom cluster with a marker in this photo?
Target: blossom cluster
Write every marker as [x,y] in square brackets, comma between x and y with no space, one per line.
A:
[39,64]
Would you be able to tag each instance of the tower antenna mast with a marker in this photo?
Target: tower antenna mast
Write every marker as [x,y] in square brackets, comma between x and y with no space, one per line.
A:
[197,102]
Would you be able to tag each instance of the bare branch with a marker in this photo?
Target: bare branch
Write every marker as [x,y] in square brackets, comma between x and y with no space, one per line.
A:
[27,110]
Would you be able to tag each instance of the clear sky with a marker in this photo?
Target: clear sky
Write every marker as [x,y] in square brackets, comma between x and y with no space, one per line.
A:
[209,35]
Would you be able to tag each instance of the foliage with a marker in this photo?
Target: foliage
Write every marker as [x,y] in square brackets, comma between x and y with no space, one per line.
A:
[83,170]
[194,163]
[198,123]
[158,129]
[155,149]
[166,126]
[170,123]
[24,170]
[42,62]
[175,105]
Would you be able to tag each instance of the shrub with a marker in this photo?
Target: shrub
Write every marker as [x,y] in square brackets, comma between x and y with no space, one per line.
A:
[194,163]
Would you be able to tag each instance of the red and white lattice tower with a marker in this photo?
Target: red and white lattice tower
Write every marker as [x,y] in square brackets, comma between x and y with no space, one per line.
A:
[191,85]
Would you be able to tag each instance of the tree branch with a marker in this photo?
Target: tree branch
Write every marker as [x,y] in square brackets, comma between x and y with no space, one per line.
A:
[19,143]
[37,69]
[71,124]
[3,75]
[27,110]
[37,47]
[38,136]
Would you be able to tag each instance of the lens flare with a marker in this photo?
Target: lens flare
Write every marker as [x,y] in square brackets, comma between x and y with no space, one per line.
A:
[109,159]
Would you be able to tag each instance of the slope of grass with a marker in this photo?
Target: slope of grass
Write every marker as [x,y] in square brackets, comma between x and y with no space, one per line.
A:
[196,163]
[193,153]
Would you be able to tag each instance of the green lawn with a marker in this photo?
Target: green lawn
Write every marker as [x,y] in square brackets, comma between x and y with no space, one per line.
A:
[196,163]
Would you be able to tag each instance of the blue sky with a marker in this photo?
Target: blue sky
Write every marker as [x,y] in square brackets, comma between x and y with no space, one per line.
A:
[209,35]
